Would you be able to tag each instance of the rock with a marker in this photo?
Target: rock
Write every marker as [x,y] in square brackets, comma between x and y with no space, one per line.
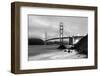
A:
[82,45]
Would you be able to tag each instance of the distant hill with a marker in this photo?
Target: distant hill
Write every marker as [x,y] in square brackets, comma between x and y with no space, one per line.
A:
[35,41]
[82,45]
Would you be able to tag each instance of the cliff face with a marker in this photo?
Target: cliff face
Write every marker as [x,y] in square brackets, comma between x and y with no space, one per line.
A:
[82,45]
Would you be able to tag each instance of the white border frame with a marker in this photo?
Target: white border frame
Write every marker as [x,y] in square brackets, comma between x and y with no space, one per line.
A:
[25,64]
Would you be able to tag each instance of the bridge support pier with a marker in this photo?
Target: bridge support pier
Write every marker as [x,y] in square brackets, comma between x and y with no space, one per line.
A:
[62,47]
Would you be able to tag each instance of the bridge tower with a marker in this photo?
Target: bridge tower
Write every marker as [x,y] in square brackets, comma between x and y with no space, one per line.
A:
[62,46]
[61,33]
[45,38]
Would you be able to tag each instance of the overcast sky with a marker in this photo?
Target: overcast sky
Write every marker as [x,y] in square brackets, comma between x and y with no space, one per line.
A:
[39,24]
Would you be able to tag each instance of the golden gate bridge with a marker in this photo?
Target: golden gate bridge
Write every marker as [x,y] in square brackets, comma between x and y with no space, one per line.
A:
[61,38]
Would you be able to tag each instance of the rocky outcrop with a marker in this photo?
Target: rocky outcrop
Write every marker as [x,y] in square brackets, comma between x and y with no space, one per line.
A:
[82,45]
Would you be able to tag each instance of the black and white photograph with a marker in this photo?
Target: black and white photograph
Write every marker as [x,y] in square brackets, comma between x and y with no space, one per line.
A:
[53,37]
